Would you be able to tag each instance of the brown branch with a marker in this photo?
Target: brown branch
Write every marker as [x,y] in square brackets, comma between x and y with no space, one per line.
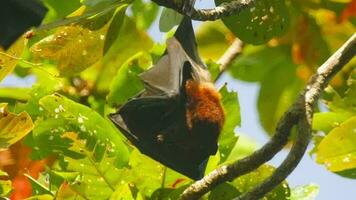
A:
[223,10]
[307,102]
[299,113]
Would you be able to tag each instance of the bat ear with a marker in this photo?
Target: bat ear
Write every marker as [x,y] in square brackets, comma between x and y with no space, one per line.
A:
[186,37]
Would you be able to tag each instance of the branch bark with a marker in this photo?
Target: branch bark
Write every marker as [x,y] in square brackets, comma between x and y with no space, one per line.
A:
[307,102]
[300,113]
[223,10]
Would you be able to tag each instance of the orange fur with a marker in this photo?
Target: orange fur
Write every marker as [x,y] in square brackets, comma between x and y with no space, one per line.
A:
[203,104]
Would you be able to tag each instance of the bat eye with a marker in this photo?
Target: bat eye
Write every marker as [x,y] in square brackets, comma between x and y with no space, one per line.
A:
[160,138]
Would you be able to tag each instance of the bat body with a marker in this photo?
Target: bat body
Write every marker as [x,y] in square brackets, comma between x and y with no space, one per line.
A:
[177,119]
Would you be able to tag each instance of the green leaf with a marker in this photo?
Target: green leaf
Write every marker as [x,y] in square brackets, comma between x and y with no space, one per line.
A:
[20,94]
[47,139]
[125,191]
[279,88]
[305,192]
[99,175]
[213,39]
[345,102]
[41,197]
[115,26]
[213,68]
[326,121]
[38,188]
[227,138]
[337,151]
[169,18]
[60,9]
[224,191]
[9,59]
[247,182]
[13,127]
[130,41]
[97,21]
[146,174]
[144,12]
[46,84]
[260,22]
[100,136]
[126,75]
[256,62]
[92,3]
[243,147]
[73,48]
[5,185]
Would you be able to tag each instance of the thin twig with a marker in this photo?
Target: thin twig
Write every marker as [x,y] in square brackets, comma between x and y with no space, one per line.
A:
[307,100]
[301,113]
[230,54]
[223,10]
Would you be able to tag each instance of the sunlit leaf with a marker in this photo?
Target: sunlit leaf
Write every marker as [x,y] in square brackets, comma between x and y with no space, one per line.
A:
[213,39]
[168,193]
[247,182]
[256,62]
[60,9]
[20,94]
[144,12]
[41,197]
[38,188]
[9,59]
[305,192]
[337,151]
[123,192]
[73,48]
[115,26]
[146,174]
[227,138]
[126,75]
[5,185]
[130,41]
[224,191]
[279,88]
[260,22]
[13,127]
[46,84]
[243,147]
[93,3]
[100,137]
[326,121]
[98,170]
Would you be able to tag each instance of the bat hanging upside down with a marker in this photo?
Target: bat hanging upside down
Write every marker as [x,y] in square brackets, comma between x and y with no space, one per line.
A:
[177,118]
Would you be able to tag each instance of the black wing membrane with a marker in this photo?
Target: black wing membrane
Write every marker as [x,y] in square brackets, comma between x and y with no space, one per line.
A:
[154,121]
[16,16]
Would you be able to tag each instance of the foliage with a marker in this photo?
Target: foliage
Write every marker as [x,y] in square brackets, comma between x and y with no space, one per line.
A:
[86,60]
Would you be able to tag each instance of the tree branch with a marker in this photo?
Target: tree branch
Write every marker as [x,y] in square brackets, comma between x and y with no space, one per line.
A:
[308,100]
[299,113]
[223,10]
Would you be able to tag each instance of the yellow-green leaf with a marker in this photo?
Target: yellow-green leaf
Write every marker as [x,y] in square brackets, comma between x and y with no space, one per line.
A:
[337,151]
[73,48]
[13,127]
[9,59]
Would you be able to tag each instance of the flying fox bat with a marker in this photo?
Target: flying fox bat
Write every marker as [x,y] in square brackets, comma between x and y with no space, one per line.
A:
[177,118]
